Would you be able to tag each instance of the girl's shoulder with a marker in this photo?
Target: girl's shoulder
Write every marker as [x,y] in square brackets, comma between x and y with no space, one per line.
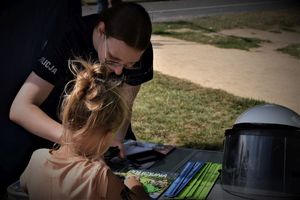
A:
[40,153]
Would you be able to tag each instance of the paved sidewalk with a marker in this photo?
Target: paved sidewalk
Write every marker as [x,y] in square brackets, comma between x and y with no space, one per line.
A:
[262,74]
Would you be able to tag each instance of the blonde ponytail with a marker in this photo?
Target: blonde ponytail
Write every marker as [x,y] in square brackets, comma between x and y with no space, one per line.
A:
[92,102]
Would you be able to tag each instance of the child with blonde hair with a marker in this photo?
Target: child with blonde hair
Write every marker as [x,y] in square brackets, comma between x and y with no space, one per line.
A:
[92,111]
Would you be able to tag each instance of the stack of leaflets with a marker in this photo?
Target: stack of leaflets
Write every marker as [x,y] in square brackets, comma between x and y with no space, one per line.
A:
[154,183]
[195,181]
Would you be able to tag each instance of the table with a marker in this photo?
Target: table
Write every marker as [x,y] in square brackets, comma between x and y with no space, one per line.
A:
[174,162]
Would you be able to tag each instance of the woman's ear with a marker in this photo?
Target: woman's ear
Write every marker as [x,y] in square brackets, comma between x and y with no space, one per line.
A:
[101,28]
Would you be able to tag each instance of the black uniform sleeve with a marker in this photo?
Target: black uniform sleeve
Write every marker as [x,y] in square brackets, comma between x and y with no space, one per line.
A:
[144,73]
[52,65]
[54,55]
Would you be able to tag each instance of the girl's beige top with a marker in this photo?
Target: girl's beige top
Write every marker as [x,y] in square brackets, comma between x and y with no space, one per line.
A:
[50,177]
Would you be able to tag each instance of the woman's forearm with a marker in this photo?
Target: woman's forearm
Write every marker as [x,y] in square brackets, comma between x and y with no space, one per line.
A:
[26,112]
[34,120]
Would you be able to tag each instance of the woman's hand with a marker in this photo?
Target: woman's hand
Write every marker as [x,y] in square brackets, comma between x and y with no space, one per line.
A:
[119,143]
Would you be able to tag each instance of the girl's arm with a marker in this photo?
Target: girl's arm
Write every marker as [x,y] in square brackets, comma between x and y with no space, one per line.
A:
[26,112]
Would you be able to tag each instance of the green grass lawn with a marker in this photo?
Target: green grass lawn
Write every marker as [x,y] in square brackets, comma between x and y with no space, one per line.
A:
[174,111]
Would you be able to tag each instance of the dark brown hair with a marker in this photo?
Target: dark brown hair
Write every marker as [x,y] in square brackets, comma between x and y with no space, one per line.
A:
[129,22]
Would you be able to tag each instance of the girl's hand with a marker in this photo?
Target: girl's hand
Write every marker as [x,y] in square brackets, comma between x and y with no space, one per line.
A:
[132,181]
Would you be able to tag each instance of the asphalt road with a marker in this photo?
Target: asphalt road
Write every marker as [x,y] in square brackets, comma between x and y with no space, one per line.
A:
[182,9]
[185,9]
